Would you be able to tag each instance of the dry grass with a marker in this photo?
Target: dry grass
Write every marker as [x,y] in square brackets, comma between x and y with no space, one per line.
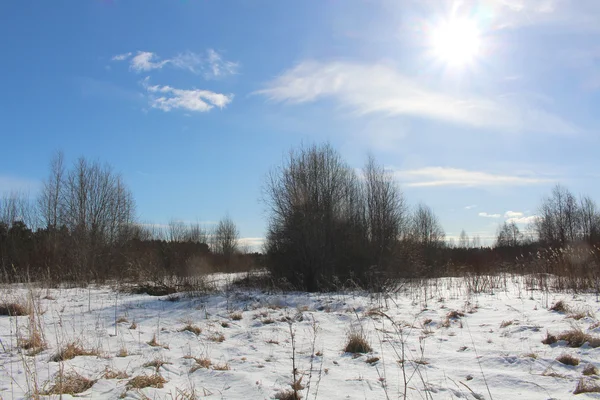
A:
[70,383]
[144,381]
[586,386]
[15,309]
[221,367]
[72,350]
[357,342]
[504,324]
[225,324]
[217,337]
[574,338]
[114,374]
[236,316]
[201,363]
[133,325]
[372,360]
[154,343]
[560,306]
[568,359]
[191,328]
[156,364]
[590,369]
[123,352]
[121,320]
[287,395]
[34,343]
[580,314]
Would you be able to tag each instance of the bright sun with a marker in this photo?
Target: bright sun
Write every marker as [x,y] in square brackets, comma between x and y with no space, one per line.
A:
[456,42]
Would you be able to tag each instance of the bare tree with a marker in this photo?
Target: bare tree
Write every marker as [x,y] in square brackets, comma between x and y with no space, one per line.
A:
[590,220]
[509,235]
[386,211]
[226,237]
[463,240]
[559,218]
[50,199]
[426,228]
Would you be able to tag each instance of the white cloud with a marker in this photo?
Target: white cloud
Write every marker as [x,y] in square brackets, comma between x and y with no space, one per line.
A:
[381,89]
[146,61]
[441,176]
[121,57]
[212,65]
[523,220]
[486,215]
[218,67]
[471,207]
[513,214]
[167,98]
[252,243]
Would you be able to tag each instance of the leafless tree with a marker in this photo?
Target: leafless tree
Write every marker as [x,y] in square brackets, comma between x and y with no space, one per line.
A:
[590,220]
[426,228]
[509,235]
[50,200]
[463,240]
[226,237]
[386,211]
[559,218]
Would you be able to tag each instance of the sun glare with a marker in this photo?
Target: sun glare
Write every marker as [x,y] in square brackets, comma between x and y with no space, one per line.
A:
[456,42]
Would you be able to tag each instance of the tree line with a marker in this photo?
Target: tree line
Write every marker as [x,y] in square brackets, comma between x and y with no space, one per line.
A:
[328,225]
[82,226]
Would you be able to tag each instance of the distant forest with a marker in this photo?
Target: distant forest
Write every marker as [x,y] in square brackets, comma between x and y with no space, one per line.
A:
[328,226]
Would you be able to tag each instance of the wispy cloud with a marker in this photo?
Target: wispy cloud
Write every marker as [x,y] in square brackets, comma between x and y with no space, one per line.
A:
[486,215]
[381,89]
[121,57]
[471,207]
[146,61]
[441,176]
[212,65]
[252,243]
[167,98]
[513,214]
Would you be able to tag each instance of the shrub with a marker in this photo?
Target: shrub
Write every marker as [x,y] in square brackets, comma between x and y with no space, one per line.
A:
[586,386]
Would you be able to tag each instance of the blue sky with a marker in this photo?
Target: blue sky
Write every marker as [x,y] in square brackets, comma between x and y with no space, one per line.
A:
[479,107]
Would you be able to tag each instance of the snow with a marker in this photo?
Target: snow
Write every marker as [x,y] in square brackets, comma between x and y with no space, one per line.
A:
[485,353]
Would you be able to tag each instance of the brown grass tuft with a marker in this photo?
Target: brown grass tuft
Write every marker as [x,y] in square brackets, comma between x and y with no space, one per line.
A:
[221,367]
[133,325]
[156,364]
[236,316]
[574,338]
[191,328]
[121,320]
[357,342]
[560,306]
[72,350]
[590,369]
[123,352]
[144,381]
[14,309]
[153,342]
[287,395]
[504,324]
[217,337]
[201,363]
[114,374]
[586,386]
[71,383]
[568,359]
[372,360]
[34,343]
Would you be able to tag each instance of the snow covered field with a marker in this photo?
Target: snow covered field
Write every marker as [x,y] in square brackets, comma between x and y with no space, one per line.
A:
[436,340]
